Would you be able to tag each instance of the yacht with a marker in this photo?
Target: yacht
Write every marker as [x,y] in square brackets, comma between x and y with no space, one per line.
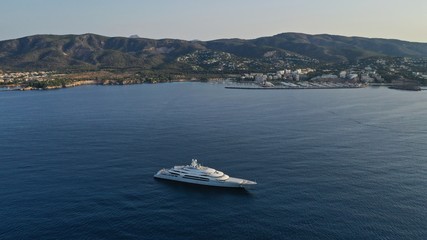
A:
[197,174]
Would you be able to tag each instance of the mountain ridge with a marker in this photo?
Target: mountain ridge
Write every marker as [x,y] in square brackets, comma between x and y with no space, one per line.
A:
[93,51]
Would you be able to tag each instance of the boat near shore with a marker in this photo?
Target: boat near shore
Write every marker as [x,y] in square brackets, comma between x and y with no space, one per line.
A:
[195,173]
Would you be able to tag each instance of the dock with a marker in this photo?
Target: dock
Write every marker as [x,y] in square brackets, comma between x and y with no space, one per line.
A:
[294,88]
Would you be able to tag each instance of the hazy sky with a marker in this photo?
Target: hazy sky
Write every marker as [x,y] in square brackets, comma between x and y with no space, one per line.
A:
[206,20]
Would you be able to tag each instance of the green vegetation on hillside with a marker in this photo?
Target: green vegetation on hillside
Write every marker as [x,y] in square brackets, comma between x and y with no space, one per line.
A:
[93,52]
[119,60]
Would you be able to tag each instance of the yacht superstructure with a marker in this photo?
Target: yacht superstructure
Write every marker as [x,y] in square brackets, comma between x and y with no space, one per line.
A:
[198,174]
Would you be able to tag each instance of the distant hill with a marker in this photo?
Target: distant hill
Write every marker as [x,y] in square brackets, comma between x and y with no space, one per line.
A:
[90,51]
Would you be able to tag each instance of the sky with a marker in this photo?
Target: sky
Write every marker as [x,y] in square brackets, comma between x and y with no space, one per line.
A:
[214,19]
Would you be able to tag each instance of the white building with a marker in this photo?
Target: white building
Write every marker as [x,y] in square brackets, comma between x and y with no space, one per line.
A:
[260,78]
[329,76]
[306,70]
[268,84]
[352,76]
[366,78]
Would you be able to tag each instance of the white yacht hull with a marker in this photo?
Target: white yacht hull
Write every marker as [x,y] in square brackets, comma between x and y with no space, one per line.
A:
[229,183]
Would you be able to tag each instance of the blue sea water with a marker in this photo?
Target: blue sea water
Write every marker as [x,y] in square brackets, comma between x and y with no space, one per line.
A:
[330,164]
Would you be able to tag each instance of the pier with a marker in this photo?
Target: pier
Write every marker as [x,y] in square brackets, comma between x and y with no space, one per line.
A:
[299,86]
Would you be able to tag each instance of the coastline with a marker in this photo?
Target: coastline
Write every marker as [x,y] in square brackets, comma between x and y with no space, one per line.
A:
[17,87]
[303,85]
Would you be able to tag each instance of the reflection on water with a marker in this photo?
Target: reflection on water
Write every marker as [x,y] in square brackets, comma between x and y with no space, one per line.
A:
[201,189]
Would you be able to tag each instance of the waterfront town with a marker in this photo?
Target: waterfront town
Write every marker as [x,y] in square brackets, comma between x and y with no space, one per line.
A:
[378,71]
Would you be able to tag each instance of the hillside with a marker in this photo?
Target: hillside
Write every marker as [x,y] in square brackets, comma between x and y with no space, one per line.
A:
[90,51]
